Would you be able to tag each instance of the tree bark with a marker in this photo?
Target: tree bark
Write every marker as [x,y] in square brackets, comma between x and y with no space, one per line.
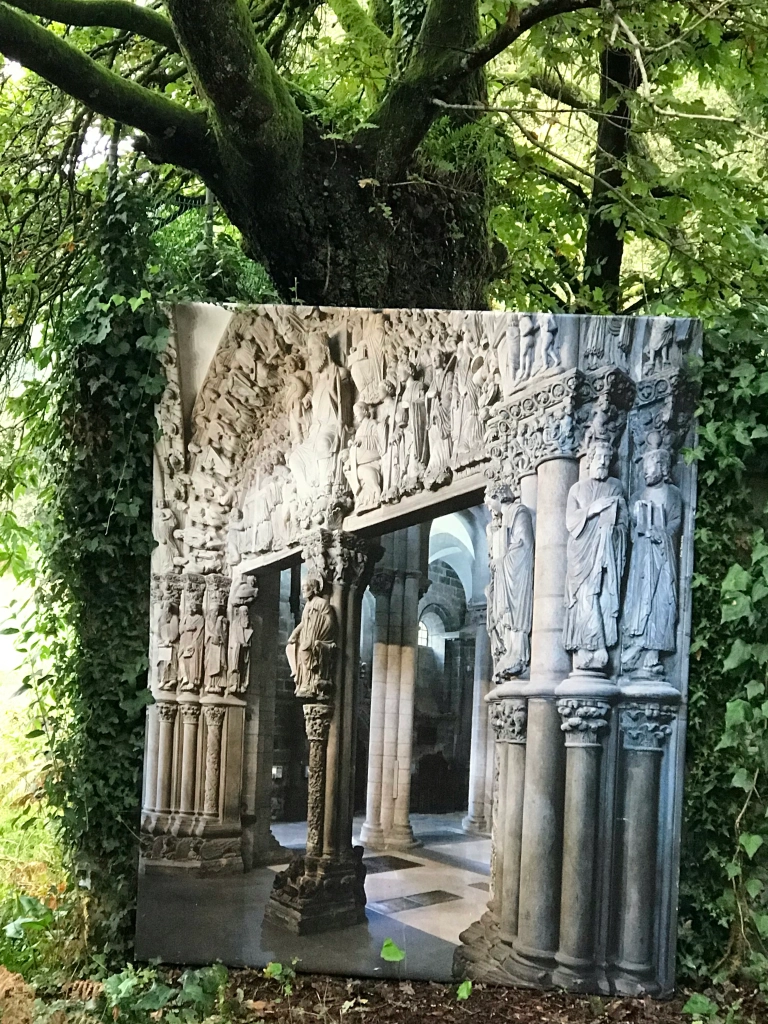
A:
[605,239]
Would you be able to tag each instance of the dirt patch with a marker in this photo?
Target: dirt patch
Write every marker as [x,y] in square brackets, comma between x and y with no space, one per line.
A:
[17,999]
[333,999]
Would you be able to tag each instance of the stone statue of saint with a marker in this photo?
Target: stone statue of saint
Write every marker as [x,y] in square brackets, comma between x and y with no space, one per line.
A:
[414,406]
[510,591]
[239,653]
[527,347]
[164,528]
[596,519]
[650,615]
[311,647]
[439,396]
[363,459]
[467,430]
[191,644]
[166,650]
[216,639]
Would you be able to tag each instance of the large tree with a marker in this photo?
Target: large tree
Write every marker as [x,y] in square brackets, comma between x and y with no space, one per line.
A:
[351,200]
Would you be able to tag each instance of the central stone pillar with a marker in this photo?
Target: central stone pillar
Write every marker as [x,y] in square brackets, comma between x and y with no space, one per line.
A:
[401,836]
[476,820]
[324,889]
[372,834]
[542,831]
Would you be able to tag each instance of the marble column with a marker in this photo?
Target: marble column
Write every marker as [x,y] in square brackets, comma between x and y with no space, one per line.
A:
[151,752]
[390,775]
[214,720]
[325,889]
[512,734]
[372,834]
[317,718]
[259,845]
[644,731]
[401,836]
[166,713]
[190,718]
[476,819]
[541,852]
[582,723]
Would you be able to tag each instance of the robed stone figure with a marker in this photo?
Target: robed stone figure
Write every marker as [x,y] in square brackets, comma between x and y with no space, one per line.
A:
[596,519]
[311,647]
[650,617]
[510,592]
[191,645]
[239,654]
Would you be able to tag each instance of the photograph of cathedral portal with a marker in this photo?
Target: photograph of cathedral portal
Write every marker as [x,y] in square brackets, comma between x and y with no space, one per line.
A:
[424,770]
[418,644]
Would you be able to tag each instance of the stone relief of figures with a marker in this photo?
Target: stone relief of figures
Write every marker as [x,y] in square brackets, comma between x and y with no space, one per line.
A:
[216,634]
[312,646]
[308,414]
[651,603]
[596,519]
[192,635]
[510,591]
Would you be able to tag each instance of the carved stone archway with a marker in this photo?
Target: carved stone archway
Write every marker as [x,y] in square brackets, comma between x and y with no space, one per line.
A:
[298,433]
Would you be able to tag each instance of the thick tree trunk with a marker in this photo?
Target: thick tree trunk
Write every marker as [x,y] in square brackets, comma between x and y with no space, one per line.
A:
[605,241]
[332,235]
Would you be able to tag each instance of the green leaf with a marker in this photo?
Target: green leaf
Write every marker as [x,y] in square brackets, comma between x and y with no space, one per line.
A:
[700,1006]
[736,712]
[464,991]
[751,843]
[754,887]
[391,952]
[739,653]
[742,780]
[736,608]
[736,579]
[755,689]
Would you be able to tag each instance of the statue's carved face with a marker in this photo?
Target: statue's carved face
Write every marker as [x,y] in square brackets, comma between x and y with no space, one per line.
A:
[655,467]
[311,587]
[599,462]
[317,354]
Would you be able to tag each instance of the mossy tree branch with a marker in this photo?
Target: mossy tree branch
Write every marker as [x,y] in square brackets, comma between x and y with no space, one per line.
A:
[252,111]
[177,135]
[119,14]
[361,27]
[444,57]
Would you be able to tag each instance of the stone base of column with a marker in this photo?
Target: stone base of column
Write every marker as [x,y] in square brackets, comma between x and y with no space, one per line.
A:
[401,838]
[577,975]
[202,855]
[475,826]
[630,979]
[372,837]
[484,956]
[260,848]
[315,894]
[587,683]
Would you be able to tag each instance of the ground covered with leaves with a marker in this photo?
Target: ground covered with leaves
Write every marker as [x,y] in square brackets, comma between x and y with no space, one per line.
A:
[211,995]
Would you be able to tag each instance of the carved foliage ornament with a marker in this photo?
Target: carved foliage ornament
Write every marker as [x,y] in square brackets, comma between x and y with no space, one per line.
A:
[583,721]
[646,726]
[509,720]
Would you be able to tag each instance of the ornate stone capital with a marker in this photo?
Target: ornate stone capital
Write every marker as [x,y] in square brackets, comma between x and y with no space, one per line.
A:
[214,715]
[645,726]
[190,713]
[339,557]
[317,721]
[509,720]
[382,582]
[583,721]
[167,710]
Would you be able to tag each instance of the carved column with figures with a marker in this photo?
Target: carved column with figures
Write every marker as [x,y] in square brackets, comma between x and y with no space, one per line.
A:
[324,889]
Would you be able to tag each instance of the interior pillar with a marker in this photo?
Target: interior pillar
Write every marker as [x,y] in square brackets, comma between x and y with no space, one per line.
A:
[476,819]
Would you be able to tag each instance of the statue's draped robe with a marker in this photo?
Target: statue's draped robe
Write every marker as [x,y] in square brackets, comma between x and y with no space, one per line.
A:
[651,601]
[596,553]
[191,651]
[167,636]
[215,652]
[310,647]
[240,633]
[511,596]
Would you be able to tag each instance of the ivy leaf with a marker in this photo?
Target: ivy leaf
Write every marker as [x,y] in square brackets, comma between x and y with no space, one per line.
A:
[736,712]
[742,780]
[739,653]
[700,1006]
[736,579]
[751,843]
[755,689]
[464,991]
[754,887]
[761,923]
[736,608]
[391,952]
